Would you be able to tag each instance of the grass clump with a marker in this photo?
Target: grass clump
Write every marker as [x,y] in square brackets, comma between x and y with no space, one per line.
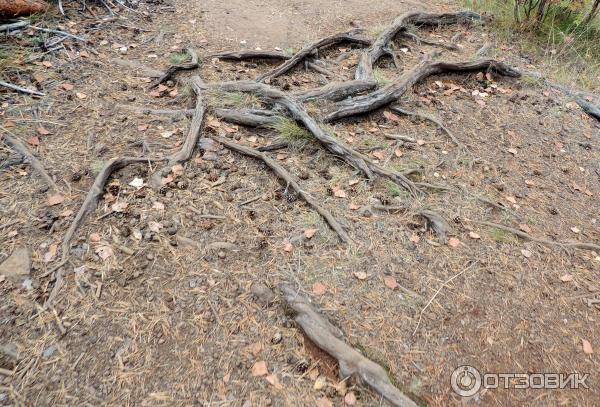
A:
[380,77]
[565,34]
[238,100]
[179,58]
[289,130]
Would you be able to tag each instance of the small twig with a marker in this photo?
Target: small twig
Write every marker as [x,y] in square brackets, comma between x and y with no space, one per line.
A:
[437,292]
[20,89]
[49,30]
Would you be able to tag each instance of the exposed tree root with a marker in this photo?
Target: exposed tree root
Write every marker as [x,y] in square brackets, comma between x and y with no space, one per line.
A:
[252,54]
[438,224]
[352,157]
[425,69]
[330,339]
[423,116]
[187,149]
[18,146]
[380,47]
[186,66]
[419,41]
[89,204]
[245,117]
[309,49]
[546,242]
[291,182]
[589,108]
[336,91]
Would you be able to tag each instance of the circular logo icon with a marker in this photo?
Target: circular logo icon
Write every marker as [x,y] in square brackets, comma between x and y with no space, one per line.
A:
[466,381]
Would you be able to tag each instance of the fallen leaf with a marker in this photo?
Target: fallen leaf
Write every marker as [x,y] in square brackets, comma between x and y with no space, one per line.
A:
[511,199]
[66,213]
[319,288]
[379,154]
[33,141]
[287,247]
[119,206]
[350,398]
[513,151]
[420,142]
[391,116]
[324,402]
[575,229]
[398,152]
[587,347]
[154,226]
[260,369]
[55,199]
[47,64]
[338,192]
[80,95]
[95,237]
[177,169]
[525,228]
[274,380]
[320,383]
[137,183]
[84,54]
[143,127]
[566,278]
[353,182]
[42,131]
[104,252]
[474,235]
[414,238]
[526,253]
[38,77]
[309,233]
[390,282]
[51,253]
[361,275]
[453,242]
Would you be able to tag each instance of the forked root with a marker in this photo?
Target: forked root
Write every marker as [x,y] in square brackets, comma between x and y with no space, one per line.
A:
[352,363]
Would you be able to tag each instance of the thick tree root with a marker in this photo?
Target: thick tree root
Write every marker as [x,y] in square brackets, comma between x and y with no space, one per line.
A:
[291,182]
[546,242]
[309,49]
[245,117]
[425,69]
[438,224]
[423,116]
[352,157]
[589,108]
[252,54]
[351,362]
[186,66]
[419,41]
[187,149]
[336,91]
[18,146]
[89,204]
[380,47]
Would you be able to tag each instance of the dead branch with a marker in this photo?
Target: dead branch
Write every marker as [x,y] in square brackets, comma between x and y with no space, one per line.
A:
[438,224]
[423,116]
[251,54]
[546,242]
[336,91]
[309,49]
[330,339]
[380,46]
[425,69]
[187,149]
[186,66]
[63,33]
[291,182]
[352,157]
[20,89]
[16,144]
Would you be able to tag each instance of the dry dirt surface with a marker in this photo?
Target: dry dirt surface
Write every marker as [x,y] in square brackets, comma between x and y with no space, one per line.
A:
[170,295]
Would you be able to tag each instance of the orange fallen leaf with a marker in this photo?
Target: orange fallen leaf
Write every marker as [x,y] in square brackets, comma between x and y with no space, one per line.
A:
[587,347]
[398,152]
[350,398]
[33,141]
[390,282]
[319,288]
[260,369]
[309,233]
[42,131]
[453,242]
[55,199]
[47,64]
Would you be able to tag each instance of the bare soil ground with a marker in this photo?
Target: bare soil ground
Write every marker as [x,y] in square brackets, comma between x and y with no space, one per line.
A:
[146,318]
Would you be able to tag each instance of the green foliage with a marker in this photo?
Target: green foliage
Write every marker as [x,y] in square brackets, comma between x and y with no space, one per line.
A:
[178,58]
[393,189]
[290,131]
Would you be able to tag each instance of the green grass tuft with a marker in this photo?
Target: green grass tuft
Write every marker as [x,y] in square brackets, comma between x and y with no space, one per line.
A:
[178,58]
[289,130]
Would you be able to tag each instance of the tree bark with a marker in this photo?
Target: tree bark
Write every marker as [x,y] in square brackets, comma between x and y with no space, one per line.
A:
[13,8]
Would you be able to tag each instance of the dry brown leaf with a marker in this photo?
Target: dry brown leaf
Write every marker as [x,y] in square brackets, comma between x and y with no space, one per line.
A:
[319,288]
[119,206]
[350,398]
[51,253]
[513,151]
[309,233]
[566,278]
[287,247]
[95,237]
[379,154]
[33,141]
[575,229]
[177,170]
[104,252]
[353,182]
[391,116]
[55,199]
[324,402]
[352,206]
[338,192]
[398,152]
[453,242]
[42,131]
[260,369]
[525,228]
[361,275]
[587,347]
[80,95]
[511,199]
[272,378]
[414,238]
[390,282]
[474,235]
